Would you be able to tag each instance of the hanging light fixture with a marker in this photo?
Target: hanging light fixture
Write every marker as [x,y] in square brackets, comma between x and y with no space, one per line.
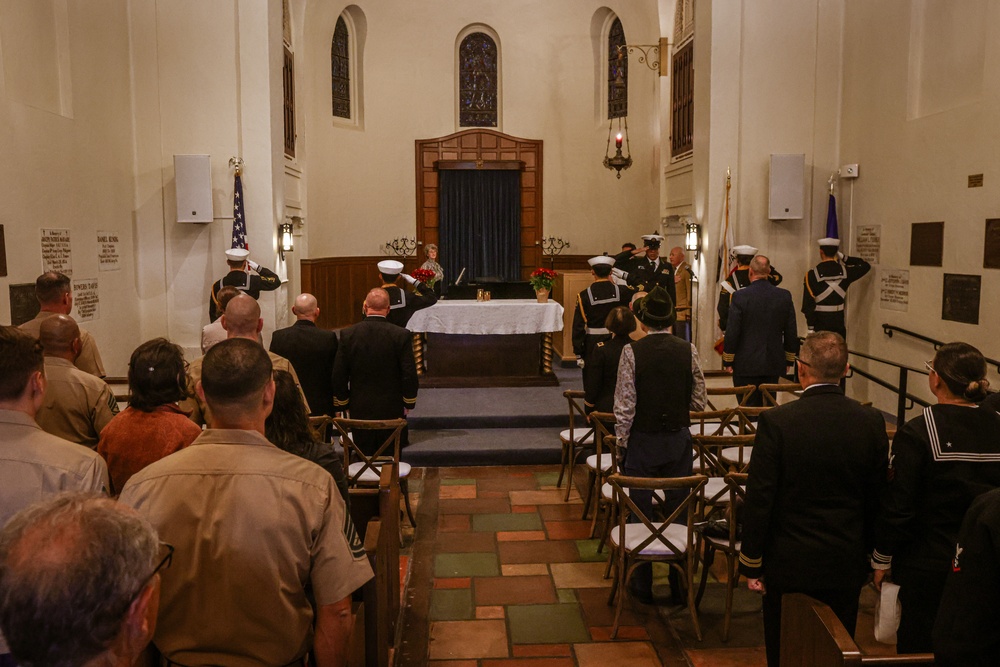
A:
[619,161]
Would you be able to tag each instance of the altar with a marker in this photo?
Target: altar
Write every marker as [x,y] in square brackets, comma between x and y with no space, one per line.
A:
[496,343]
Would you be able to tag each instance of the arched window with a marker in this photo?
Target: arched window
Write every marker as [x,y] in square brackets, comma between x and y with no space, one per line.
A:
[340,70]
[617,71]
[478,80]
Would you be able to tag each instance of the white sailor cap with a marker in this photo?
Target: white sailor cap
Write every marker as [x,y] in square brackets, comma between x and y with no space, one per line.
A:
[744,250]
[828,242]
[237,254]
[390,267]
[601,259]
[651,237]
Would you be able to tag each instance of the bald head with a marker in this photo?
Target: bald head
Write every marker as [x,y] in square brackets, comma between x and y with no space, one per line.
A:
[242,317]
[377,302]
[306,307]
[760,268]
[60,337]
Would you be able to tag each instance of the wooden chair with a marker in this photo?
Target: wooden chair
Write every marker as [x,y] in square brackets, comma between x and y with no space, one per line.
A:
[381,594]
[813,636]
[365,470]
[710,450]
[601,463]
[771,392]
[575,439]
[739,394]
[714,422]
[648,541]
[320,427]
[730,546]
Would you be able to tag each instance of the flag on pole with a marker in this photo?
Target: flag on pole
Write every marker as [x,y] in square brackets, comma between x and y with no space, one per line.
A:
[831,218]
[239,215]
[727,260]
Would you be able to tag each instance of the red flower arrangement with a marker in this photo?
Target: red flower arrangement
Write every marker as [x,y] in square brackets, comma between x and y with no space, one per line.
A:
[542,279]
[426,276]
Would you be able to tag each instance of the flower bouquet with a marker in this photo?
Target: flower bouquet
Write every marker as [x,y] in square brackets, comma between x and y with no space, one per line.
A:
[426,276]
[542,279]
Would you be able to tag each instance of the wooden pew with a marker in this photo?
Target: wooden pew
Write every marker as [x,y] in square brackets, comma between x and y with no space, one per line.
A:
[813,636]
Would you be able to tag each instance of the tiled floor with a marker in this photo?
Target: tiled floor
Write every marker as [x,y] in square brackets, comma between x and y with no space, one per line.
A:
[503,572]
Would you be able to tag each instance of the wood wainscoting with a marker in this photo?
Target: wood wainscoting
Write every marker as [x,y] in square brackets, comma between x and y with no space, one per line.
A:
[341,283]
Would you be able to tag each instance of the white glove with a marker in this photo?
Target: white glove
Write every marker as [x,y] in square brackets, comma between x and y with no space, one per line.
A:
[410,279]
[618,281]
[579,362]
[618,273]
[841,256]
[253,265]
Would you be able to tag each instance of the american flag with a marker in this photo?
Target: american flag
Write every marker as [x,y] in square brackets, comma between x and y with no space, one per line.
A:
[239,216]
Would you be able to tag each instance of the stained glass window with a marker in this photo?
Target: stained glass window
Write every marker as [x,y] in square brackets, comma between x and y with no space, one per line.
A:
[477,81]
[340,67]
[617,72]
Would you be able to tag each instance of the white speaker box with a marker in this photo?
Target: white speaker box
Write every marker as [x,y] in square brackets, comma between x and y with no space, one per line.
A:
[193,180]
[786,200]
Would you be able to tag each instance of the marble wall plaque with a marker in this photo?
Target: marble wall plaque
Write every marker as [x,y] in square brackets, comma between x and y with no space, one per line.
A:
[926,243]
[960,300]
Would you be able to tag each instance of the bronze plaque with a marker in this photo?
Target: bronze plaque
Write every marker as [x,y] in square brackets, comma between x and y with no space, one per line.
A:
[975,180]
[960,302]
[23,304]
[3,254]
[926,243]
[991,246]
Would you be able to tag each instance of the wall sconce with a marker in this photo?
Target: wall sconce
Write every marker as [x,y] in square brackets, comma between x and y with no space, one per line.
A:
[285,241]
[692,238]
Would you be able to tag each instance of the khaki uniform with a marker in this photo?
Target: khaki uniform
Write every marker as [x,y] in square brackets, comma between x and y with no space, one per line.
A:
[253,527]
[77,405]
[89,360]
[199,412]
[682,286]
[35,465]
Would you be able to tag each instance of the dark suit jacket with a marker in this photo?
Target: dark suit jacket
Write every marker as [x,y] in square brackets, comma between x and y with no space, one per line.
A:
[375,375]
[311,351]
[813,492]
[761,336]
[600,374]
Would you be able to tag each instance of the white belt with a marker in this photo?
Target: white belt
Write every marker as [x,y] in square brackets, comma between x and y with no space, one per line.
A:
[829,309]
[597,332]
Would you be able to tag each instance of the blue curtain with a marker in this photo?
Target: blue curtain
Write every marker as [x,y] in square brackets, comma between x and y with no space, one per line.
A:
[480,223]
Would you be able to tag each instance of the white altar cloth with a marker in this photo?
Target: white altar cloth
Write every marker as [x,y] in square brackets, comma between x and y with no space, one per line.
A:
[498,316]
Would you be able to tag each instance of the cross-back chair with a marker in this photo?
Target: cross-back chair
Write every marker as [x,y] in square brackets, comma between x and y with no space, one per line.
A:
[601,463]
[738,394]
[725,538]
[365,470]
[575,439]
[772,392]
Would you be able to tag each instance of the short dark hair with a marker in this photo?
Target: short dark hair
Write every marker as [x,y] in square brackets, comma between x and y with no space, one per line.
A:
[829,250]
[68,608]
[629,245]
[620,321]
[825,352]
[387,278]
[963,369]
[234,370]
[156,375]
[288,424]
[50,286]
[20,356]
[226,295]
[601,270]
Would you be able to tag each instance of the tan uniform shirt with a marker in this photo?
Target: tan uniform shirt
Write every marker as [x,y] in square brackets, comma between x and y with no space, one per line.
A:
[89,360]
[35,465]
[252,526]
[682,286]
[199,412]
[77,405]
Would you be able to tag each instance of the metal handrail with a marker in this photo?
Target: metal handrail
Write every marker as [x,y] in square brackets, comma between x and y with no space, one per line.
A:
[887,329]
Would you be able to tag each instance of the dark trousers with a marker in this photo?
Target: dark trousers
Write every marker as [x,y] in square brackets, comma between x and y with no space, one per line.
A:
[369,441]
[664,454]
[7,660]
[843,602]
[682,329]
[756,399]
[920,594]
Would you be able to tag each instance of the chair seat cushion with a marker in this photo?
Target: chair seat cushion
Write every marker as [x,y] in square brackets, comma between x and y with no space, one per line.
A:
[722,543]
[605,462]
[577,432]
[733,454]
[714,487]
[635,533]
[371,476]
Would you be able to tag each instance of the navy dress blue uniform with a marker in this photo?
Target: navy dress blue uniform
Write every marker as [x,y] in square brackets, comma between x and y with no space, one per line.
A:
[374,375]
[592,308]
[824,292]
[737,280]
[600,374]
[644,274]
[762,338]
[402,304]
[253,284]
[311,351]
[812,498]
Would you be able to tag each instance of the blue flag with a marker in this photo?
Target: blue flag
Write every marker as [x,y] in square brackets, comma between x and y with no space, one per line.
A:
[239,216]
[831,219]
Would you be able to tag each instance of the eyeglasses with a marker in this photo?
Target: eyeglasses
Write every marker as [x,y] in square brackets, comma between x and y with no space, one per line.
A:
[803,361]
[929,366]
[162,565]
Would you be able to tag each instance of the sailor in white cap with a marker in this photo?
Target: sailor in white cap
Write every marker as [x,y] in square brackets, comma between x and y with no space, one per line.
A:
[403,304]
[240,277]
[645,272]
[824,289]
[593,305]
[739,279]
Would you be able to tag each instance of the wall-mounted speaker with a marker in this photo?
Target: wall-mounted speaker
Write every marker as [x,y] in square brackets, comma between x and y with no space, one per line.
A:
[786,199]
[193,180]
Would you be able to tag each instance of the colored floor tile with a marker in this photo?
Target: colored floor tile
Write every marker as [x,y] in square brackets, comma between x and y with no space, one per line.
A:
[514,590]
[588,551]
[546,624]
[568,530]
[538,552]
[466,565]
[458,482]
[505,522]
[460,491]
[451,605]
[467,639]
[633,654]
[544,497]
[579,575]
[524,569]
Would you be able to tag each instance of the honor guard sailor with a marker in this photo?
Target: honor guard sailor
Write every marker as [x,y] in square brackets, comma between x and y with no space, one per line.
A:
[739,279]
[239,276]
[403,304]
[824,291]
[593,306]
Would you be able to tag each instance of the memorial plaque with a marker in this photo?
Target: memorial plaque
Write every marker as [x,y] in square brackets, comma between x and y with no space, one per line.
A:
[960,301]
[894,289]
[23,304]
[56,254]
[991,246]
[108,254]
[975,180]
[868,243]
[3,254]
[86,303]
[926,243]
